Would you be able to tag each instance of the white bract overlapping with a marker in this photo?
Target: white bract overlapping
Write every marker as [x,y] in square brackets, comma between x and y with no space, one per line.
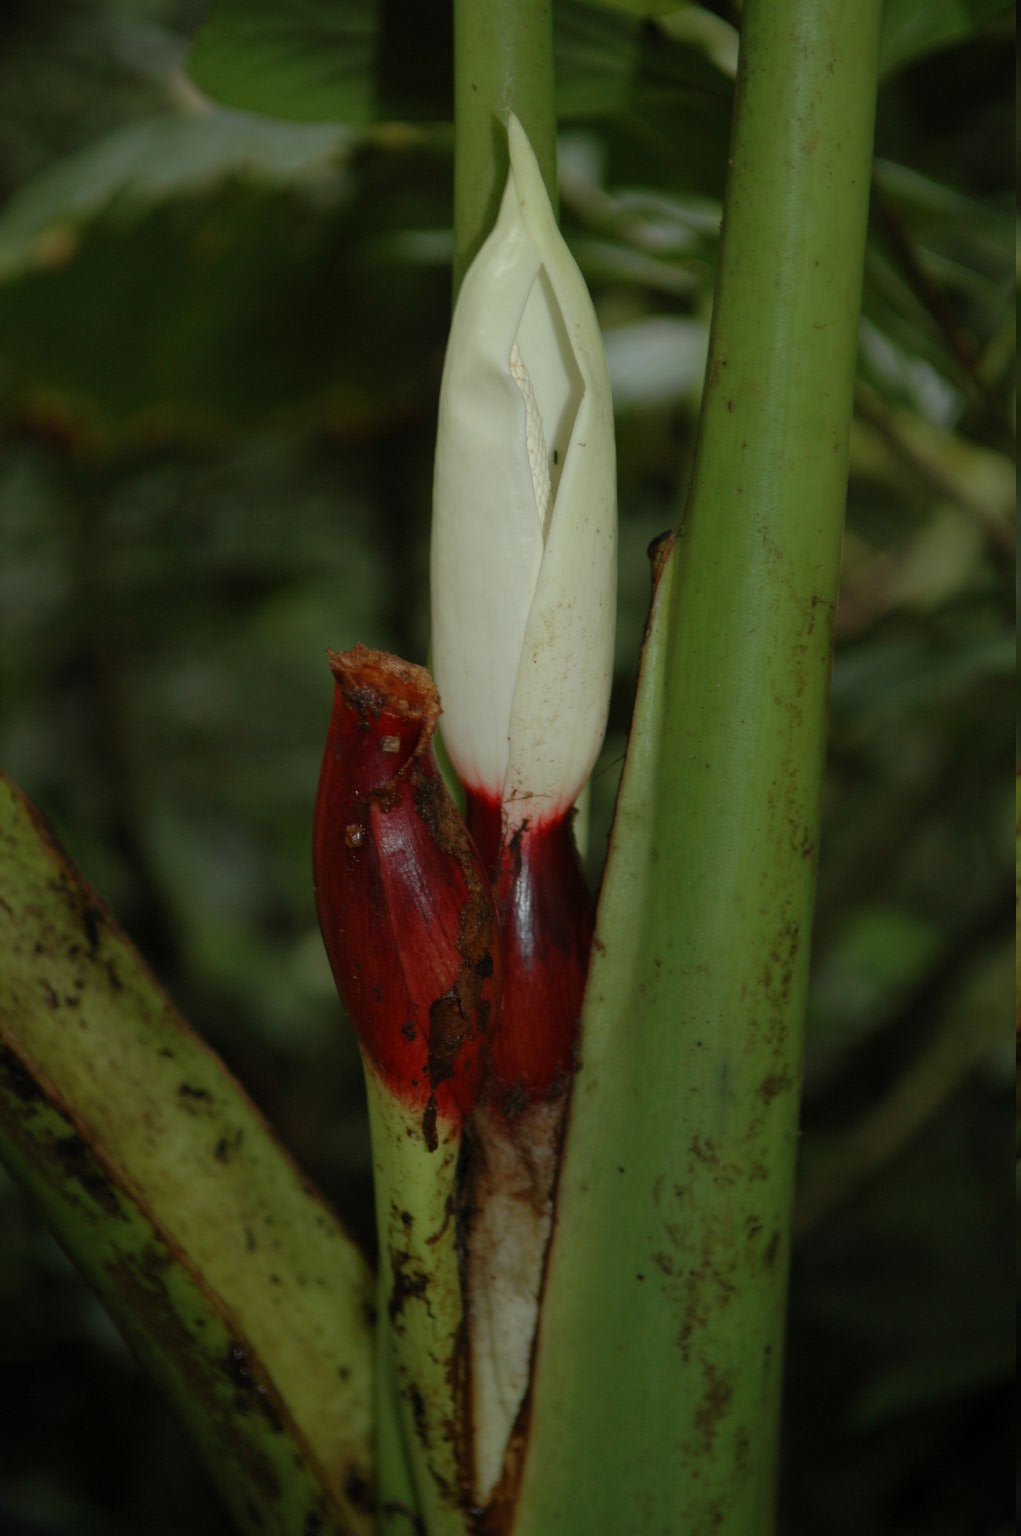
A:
[524,514]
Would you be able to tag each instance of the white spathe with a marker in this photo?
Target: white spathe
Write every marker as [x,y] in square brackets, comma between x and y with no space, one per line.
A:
[524,514]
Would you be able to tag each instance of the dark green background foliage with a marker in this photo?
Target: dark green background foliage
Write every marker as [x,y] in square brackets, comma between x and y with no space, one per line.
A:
[220,342]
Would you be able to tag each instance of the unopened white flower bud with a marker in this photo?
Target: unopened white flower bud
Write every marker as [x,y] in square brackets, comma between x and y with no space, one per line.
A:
[524,515]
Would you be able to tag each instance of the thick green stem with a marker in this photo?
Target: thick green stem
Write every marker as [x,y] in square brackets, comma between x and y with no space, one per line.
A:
[229,1279]
[503,62]
[658,1373]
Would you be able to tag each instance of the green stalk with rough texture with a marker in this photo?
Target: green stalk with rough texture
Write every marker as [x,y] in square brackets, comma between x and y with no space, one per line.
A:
[230,1279]
[503,62]
[419,1310]
[657,1381]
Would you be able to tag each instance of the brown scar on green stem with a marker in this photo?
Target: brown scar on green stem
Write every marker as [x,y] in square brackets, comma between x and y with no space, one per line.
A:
[713,1405]
[408,1284]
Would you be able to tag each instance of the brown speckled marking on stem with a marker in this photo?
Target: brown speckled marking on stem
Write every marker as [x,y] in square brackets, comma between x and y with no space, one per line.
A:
[41,1127]
[408,1284]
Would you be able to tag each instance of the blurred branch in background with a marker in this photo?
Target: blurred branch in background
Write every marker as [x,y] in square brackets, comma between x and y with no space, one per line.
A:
[900,1077]
[220,341]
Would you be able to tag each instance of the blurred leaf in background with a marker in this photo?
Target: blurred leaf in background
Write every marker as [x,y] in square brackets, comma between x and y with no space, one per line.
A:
[224,292]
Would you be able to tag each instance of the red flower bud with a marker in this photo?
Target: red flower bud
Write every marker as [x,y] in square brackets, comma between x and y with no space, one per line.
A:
[403,900]
[546,923]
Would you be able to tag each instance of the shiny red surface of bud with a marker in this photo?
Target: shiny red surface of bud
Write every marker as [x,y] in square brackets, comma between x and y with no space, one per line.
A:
[547,918]
[404,903]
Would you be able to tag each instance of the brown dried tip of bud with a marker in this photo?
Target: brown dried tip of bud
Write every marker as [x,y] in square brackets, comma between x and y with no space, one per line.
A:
[403,900]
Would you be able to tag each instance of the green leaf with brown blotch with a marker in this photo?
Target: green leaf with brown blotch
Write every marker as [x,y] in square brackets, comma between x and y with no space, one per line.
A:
[230,1278]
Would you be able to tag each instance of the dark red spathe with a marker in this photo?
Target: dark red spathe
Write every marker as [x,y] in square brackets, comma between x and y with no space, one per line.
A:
[546,921]
[403,900]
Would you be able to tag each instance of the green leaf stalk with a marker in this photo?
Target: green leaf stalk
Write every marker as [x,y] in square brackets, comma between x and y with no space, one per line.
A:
[657,1380]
